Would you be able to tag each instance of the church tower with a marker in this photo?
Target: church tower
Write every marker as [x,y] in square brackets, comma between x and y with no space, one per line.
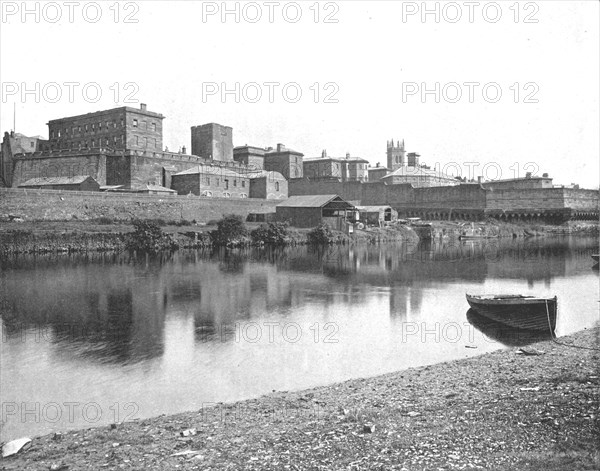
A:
[395,155]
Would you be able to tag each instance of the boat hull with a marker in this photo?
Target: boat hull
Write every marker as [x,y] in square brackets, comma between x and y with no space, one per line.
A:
[518,312]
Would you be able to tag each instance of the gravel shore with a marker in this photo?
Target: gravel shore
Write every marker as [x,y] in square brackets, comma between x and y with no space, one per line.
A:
[530,409]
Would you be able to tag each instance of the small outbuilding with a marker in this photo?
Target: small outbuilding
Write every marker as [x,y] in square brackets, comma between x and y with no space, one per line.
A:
[74,183]
[376,215]
[311,210]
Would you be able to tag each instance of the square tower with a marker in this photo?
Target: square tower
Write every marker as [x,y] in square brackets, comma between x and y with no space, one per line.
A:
[213,141]
[395,155]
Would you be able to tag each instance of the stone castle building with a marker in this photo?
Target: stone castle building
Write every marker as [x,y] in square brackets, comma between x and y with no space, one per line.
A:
[122,150]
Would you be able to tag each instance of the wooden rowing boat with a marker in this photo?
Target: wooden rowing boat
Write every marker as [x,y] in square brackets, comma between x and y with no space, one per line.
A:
[517,311]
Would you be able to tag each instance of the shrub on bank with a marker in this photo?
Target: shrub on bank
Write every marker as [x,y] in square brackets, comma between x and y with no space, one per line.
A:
[148,237]
[231,231]
[321,235]
[274,233]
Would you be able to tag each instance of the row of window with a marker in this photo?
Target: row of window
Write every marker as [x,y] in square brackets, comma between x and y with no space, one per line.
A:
[93,127]
[209,194]
[217,182]
[103,141]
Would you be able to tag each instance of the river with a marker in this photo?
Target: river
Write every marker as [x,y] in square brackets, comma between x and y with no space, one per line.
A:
[92,340]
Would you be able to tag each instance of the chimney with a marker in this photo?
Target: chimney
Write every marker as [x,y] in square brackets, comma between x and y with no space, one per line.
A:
[545,175]
[280,147]
[377,164]
[183,149]
[324,153]
[347,155]
[479,179]
[143,106]
[528,175]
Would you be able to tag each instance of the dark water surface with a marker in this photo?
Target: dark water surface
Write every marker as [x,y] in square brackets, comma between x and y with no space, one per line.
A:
[92,340]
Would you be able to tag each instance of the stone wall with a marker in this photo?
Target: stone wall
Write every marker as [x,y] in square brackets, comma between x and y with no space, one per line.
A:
[48,166]
[67,205]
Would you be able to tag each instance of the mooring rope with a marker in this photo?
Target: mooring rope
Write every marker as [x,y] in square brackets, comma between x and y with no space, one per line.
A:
[553,337]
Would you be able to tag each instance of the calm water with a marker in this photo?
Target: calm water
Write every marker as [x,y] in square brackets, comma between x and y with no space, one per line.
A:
[94,340]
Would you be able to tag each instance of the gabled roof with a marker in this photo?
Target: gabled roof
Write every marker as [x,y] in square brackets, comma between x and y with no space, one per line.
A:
[253,174]
[74,180]
[315,201]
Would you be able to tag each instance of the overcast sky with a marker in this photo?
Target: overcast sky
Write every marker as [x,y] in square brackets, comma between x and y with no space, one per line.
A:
[370,66]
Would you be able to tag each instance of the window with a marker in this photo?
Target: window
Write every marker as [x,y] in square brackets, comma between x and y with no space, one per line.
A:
[122,138]
[137,141]
[227,184]
[154,127]
[59,133]
[276,186]
[145,142]
[99,126]
[243,195]
[135,123]
[208,180]
[93,127]
[52,134]
[74,129]
[155,144]
[145,125]
[121,123]
[86,128]
[226,195]
[206,193]
[243,183]
[234,182]
[31,144]
[107,124]
[93,143]
[114,139]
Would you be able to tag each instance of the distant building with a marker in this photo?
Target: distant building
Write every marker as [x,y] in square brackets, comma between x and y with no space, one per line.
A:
[340,168]
[286,161]
[75,183]
[210,181]
[396,155]
[378,172]
[117,128]
[213,141]
[253,157]
[267,185]
[16,143]
[421,176]
[528,182]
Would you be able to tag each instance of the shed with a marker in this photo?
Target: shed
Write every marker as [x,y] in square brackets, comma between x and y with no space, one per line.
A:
[74,183]
[376,214]
[311,210]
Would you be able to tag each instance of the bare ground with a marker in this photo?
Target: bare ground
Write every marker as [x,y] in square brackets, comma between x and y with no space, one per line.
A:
[500,411]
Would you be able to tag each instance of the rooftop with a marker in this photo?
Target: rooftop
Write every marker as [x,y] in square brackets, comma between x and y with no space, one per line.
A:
[74,180]
[315,201]
[212,170]
[406,171]
[141,110]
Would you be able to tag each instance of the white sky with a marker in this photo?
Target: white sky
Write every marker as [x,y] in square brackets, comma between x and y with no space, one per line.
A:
[370,53]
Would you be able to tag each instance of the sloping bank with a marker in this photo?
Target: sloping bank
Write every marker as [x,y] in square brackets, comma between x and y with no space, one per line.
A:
[106,238]
[501,411]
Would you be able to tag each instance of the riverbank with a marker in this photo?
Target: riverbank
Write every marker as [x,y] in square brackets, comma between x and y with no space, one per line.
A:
[42,237]
[90,236]
[503,410]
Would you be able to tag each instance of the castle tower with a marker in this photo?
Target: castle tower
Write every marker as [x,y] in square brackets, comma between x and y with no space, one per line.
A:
[213,141]
[395,155]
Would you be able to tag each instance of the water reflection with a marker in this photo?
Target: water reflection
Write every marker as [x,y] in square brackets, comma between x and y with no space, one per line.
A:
[108,327]
[504,334]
